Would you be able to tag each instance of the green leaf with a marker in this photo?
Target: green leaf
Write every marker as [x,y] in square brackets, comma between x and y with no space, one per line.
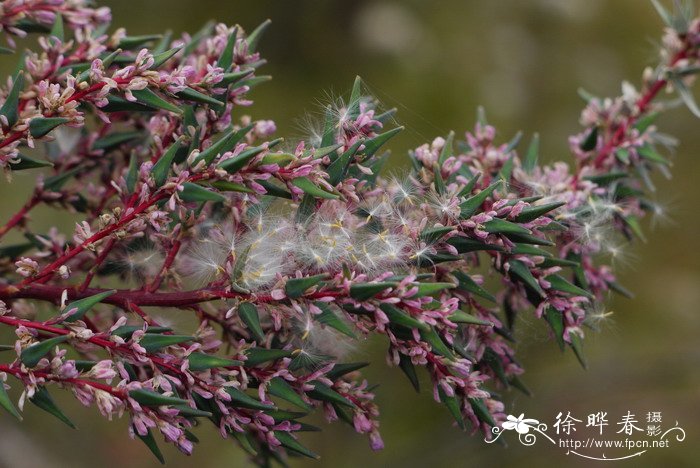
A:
[432,235]
[226,186]
[189,412]
[254,37]
[151,398]
[148,97]
[160,59]
[261,355]
[447,149]
[501,226]
[686,95]
[151,444]
[82,306]
[198,36]
[329,129]
[532,154]
[6,403]
[481,411]
[577,346]
[648,152]
[591,140]
[438,181]
[340,369]
[113,140]
[40,126]
[10,109]
[280,388]
[469,285]
[555,320]
[399,317]
[460,316]
[119,104]
[558,283]
[196,193]
[249,316]
[373,145]
[224,144]
[125,331]
[25,162]
[472,204]
[466,245]
[290,443]
[533,212]
[202,361]
[646,121]
[323,392]
[452,405]
[355,96]
[226,57]
[152,342]
[190,94]
[43,400]
[6,51]
[243,400]
[31,356]
[237,162]
[522,272]
[312,189]
[329,318]
[296,287]
[161,168]
[435,341]
[428,289]
[131,42]
[339,167]
[365,291]
[57,29]
[409,370]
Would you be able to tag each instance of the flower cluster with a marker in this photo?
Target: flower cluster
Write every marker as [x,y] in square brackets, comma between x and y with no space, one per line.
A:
[288,254]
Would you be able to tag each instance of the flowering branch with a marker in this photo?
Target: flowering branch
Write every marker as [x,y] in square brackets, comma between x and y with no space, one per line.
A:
[294,253]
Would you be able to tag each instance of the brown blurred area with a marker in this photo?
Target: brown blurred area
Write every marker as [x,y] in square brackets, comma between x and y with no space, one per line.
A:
[436,62]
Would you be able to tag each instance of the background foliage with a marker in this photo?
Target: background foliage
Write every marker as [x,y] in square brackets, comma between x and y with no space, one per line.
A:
[437,62]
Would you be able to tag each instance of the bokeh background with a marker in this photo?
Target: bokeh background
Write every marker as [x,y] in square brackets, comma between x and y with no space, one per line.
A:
[436,62]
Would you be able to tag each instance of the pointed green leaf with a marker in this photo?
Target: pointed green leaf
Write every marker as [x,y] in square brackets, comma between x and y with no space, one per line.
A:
[409,370]
[428,289]
[151,444]
[254,37]
[257,356]
[237,162]
[6,403]
[481,411]
[150,98]
[290,443]
[312,189]
[160,59]
[249,316]
[31,355]
[577,346]
[153,342]
[25,162]
[40,126]
[296,287]
[532,154]
[82,306]
[243,400]
[373,145]
[203,361]
[460,316]
[522,272]
[131,42]
[323,392]
[161,168]
[196,193]
[472,204]
[365,291]
[432,337]
[116,139]
[556,321]
[10,109]
[280,388]
[224,144]
[501,226]
[399,317]
[340,369]
[329,318]
[338,168]
[558,283]
[453,406]
[533,212]
[190,94]
[43,400]
[469,285]
[151,398]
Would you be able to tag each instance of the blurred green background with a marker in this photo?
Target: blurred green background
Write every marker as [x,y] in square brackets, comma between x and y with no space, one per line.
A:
[436,62]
